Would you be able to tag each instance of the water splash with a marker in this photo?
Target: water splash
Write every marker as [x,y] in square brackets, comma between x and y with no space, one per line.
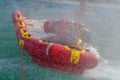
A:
[104,71]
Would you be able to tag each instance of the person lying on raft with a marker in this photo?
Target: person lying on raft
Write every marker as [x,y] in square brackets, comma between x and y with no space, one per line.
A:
[70,32]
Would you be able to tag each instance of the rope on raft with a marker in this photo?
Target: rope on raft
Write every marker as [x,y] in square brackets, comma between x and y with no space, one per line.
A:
[22,64]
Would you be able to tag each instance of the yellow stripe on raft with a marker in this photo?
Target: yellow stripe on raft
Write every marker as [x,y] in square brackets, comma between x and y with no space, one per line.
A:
[25,33]
[45,42]
[75,56]
[21,43]
[67,47]
[18,17]
[21,24]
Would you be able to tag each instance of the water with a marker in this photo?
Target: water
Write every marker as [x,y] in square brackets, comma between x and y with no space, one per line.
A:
[104,28]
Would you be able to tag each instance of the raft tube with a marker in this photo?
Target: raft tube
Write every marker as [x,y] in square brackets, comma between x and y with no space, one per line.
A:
[52,55]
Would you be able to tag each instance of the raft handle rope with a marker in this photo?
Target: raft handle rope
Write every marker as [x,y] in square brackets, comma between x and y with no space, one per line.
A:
[21,44]
[48,48]
[21,23]
[18,17]
[22,64]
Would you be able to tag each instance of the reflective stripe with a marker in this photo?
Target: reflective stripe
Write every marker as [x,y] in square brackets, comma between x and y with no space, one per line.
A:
[48,48]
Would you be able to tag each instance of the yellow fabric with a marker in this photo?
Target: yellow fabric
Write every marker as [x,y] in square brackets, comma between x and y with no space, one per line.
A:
[67,47]
[45,42]
[27,36]
[21,43]
[21,24]
[75,56]
[79,42]
[25,33]
[19,17]
[82,51]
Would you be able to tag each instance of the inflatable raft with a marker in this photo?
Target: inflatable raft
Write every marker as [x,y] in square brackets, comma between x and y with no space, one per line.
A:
[49,53]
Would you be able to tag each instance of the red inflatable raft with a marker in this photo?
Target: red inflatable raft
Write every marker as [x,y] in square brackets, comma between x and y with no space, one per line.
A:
[49,54]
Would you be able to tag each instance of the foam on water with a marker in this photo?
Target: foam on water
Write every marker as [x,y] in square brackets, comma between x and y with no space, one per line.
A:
[104,71]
